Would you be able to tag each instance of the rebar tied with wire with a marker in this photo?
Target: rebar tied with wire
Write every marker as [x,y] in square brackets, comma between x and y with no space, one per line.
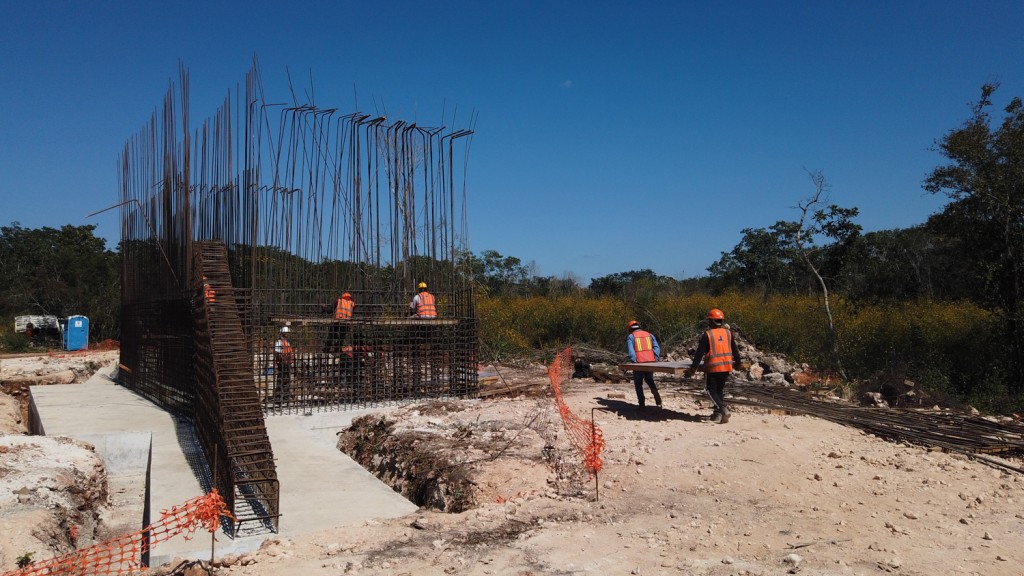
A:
[280,209]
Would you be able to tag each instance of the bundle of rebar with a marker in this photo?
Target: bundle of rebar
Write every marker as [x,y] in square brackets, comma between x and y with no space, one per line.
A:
[944,429]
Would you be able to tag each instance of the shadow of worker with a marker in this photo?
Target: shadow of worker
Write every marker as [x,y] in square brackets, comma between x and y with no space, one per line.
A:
[631,411]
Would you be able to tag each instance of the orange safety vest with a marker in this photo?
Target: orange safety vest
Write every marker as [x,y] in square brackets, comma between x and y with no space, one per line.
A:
[285,355]
[426,307]
[719,357]
[209,293]
[343,309]
[643,345]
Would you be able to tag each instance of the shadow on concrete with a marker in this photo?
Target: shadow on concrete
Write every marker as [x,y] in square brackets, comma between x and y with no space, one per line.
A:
[247,502]
[631,411]
[188,441]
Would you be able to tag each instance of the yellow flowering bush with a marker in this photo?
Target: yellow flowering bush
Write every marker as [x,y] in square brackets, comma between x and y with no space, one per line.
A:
[937,343]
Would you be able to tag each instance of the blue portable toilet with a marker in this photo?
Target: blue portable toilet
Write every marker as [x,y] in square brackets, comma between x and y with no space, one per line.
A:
[76,333]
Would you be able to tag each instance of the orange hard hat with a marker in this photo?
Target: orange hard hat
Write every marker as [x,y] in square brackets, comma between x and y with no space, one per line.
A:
[346,296]
[632,324]
[716,314]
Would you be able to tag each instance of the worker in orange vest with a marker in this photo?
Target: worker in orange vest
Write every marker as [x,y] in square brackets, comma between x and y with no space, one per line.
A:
[208,292]
[284,356]
[643,347]
[717,356]
[423,304]
[343,307]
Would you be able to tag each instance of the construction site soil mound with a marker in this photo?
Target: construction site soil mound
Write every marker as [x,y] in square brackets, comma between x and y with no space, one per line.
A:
[767,493]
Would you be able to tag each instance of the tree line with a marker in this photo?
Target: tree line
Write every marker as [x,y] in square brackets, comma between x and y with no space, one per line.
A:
[970,251]
[58,272]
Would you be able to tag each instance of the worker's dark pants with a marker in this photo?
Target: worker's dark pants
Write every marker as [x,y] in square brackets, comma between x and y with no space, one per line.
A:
[282,379]
[638,382]
[714,383]
[337,336]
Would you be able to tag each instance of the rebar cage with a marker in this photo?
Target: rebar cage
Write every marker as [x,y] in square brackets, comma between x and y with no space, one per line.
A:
[238,239]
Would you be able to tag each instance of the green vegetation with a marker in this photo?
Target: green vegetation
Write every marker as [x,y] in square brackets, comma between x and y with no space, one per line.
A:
[60,272]
[940,303]
[942,346]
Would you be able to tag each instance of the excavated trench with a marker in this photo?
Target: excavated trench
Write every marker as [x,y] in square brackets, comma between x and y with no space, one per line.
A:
[445,456]
[419,466]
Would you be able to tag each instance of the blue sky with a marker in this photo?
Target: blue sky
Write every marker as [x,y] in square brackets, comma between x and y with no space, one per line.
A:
[610,136]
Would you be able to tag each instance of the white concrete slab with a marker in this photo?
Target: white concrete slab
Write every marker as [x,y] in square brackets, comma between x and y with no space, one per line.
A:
[321,487]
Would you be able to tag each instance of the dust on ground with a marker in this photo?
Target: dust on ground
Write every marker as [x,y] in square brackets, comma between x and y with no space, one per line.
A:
[764,494]
[677,494]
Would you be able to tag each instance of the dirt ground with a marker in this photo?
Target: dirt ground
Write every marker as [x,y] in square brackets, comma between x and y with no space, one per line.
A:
[763,494]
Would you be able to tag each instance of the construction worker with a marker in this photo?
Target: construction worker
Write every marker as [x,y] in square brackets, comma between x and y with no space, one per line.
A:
[717,356]
[284,356]
[643,347]
[423,304]
[208,292]
[343,307]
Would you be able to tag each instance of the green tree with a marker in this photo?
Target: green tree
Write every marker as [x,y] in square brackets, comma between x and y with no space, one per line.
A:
[60,272]
[503,274]
[984,180]
[617,284]
[764,261]
[916,263]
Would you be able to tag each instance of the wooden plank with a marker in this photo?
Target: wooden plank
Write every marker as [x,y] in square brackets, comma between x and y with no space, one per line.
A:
[666,367]
[303,321]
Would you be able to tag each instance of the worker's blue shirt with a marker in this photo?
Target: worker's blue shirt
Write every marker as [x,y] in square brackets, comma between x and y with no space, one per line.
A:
[632,349]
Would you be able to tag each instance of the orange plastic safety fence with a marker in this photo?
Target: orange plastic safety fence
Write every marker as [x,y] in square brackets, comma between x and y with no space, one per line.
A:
[584,435]
[121,555]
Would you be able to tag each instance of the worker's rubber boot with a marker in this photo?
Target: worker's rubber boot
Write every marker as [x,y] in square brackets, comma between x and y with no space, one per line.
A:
[657,399]
[725,416]
[716,417]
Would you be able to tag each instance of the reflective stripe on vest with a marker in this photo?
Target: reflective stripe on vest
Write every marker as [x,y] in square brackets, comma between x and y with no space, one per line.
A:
[643,345]
[209,293]
[719,358]
[286,351]
[343,309]
[426,307]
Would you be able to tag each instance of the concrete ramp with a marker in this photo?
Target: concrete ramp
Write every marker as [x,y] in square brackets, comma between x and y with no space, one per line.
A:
[141,444]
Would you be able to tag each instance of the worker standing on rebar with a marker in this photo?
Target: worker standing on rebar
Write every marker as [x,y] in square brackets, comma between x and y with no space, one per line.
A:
[208,292]
[343,307]
[342,314]
[643,347]
[283,357]
[423,304]
[717,356]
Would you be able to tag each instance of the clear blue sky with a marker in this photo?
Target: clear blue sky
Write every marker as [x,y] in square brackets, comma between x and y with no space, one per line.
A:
[611,136]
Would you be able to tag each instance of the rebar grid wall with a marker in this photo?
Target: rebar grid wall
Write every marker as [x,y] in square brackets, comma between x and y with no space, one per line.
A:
[305,204]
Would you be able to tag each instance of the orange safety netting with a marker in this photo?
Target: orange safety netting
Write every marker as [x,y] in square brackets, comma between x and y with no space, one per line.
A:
[585,436]
[122,555]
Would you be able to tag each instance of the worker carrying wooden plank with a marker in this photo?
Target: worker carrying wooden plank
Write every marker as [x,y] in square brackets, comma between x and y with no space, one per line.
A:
[643,347]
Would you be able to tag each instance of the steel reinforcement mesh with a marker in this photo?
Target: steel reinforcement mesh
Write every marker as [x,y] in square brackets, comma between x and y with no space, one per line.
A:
[282,208]
[380,355]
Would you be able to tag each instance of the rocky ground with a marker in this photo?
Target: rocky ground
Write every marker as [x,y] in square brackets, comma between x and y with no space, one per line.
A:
[53,491]
[764,494]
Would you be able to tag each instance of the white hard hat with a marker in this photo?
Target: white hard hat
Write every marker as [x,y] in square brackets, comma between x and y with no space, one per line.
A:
[285,329]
